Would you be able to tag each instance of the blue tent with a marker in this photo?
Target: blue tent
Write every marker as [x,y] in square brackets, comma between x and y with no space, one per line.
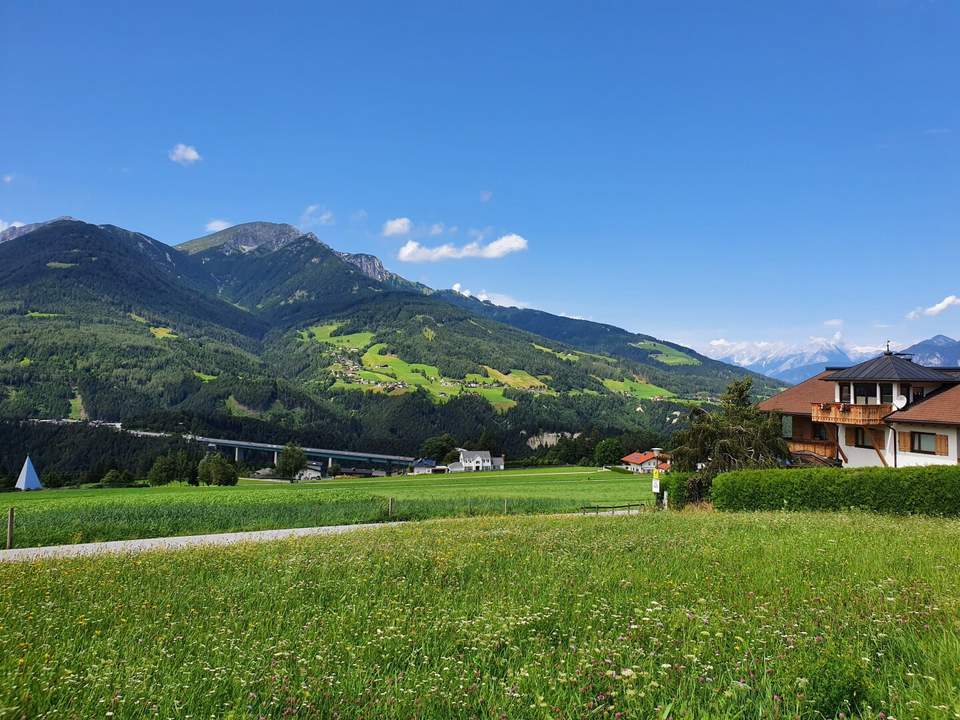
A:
[28,479]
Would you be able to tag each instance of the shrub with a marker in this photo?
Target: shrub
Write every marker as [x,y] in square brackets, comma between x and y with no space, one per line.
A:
[117,478]
[675,485]
[931,490]
[215,469]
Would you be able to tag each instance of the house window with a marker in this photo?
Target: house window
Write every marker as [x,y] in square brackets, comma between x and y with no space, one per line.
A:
[923,443]
[786,423]
[865,393]
[819,431]
[905,390]
[886,392]
[918,393]
[862,439]
[844,392]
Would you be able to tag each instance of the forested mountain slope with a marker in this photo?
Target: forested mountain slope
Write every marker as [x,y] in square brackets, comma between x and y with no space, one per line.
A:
[268,333]
[666,363]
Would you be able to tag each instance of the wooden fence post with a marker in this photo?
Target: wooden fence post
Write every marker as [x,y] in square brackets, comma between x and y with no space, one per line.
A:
[10,528]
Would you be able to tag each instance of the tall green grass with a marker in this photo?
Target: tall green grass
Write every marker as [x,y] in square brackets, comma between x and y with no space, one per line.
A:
[72,516]
[690,615]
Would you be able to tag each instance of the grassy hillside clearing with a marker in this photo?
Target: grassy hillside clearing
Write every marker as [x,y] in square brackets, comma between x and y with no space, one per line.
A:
[163,333]
[662,615]
[382,372]
[665,354]
[572,357]
[68,516]
[324,334]
[640,390]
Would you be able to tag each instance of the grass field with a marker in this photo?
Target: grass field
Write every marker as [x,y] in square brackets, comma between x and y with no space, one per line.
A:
[85,515]
[666,354]
[690,615]
[639,390]
[324,334]
[163,333]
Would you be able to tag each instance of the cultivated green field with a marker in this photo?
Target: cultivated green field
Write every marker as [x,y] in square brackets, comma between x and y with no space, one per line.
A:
[690,615]
[52,517]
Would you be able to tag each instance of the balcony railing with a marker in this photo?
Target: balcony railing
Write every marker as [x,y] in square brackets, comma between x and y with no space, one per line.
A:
[822,448]
[850,414]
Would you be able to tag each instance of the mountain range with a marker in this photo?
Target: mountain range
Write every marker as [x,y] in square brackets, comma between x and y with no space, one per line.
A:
[265,331]
[794,364]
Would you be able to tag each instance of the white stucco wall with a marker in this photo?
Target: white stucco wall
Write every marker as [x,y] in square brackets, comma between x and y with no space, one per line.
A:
[860,457]
[906,459]
[867,457]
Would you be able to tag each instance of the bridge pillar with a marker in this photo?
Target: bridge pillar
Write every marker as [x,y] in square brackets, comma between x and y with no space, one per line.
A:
[329,463]
[236,454]
[276,458]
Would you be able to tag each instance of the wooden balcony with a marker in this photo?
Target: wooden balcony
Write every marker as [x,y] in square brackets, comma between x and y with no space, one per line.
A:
[821,448]
[850,414]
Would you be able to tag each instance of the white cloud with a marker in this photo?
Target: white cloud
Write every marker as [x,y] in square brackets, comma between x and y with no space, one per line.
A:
[934,310]
[8,178]
[5,225]
[397,226]
[313,215]
[216,225]
[496,298]
[835,322]
[413,251]
[184,154]
[436,229]
[486,195]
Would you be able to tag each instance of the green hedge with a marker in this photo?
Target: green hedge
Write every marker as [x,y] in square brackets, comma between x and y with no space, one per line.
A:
[675,484]
[931,490]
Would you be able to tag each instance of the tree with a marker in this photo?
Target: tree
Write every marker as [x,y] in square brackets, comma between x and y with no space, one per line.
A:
[735,437]
[215,469]
[117,478]
[186,467]
[489,441]
[163,471]
[438,446]
[608,452]
[173,467]
[291,461]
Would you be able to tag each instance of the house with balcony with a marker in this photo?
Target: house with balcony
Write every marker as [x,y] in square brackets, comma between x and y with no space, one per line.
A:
[887,411]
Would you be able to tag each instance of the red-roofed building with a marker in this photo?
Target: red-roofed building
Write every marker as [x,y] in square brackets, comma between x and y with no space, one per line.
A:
[644,462]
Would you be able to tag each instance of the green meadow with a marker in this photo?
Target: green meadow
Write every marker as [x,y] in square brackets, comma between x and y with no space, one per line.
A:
[52,517]
[661,615]
[324,334]
[666,354]
[639,390]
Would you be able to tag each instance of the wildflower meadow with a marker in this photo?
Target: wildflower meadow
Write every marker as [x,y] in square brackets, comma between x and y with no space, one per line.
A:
[660,615]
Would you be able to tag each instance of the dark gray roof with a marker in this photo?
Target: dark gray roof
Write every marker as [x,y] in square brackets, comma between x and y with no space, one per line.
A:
[892,368]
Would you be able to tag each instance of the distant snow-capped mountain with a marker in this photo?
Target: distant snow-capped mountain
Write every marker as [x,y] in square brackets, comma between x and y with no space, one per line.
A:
[938,351]
[791,363]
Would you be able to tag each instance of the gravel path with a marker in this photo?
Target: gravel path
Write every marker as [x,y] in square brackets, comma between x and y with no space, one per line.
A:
[173,543]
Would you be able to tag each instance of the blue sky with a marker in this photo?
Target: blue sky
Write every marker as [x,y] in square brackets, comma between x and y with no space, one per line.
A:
[699,170]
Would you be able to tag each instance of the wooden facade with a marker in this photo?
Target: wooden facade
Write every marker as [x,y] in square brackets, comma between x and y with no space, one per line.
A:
[849,414]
